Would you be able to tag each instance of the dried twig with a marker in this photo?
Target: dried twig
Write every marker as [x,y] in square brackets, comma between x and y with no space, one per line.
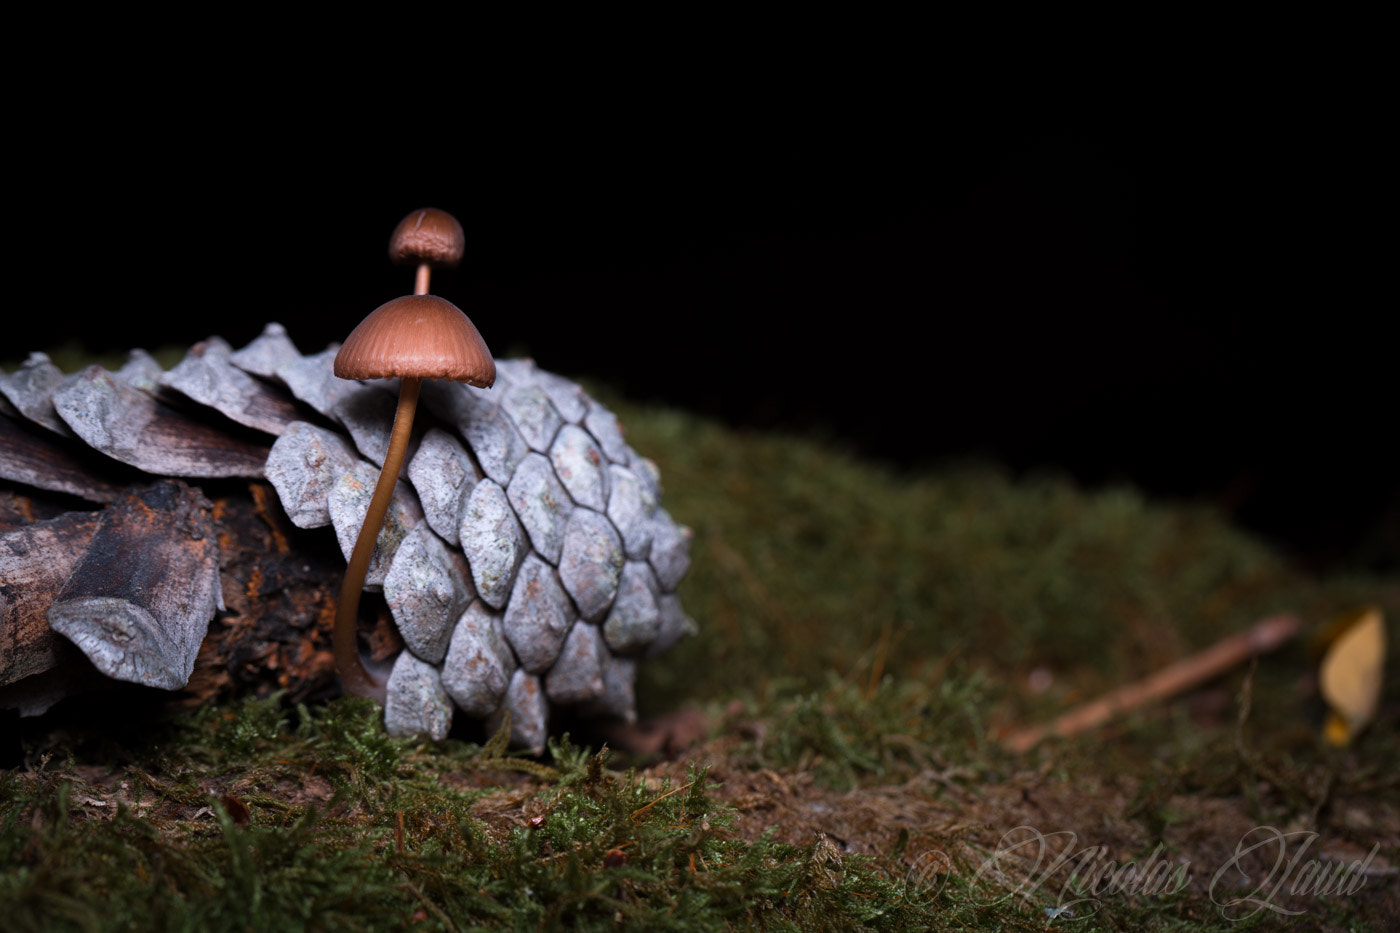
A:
[1264,636]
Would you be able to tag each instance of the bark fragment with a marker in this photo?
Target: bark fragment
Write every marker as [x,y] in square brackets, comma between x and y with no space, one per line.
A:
[140,601]
[35,561]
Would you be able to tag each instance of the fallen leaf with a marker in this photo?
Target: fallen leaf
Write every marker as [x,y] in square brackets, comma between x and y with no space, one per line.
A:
[1350,676]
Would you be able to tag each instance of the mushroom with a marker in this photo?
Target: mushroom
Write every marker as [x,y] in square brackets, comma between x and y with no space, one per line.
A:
[413,338]
[428,237]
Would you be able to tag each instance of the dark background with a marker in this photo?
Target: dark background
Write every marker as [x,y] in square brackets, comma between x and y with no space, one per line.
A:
[1172,302]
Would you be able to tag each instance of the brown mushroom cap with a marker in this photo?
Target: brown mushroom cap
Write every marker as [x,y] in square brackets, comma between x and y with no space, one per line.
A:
[421,336]
[428,235]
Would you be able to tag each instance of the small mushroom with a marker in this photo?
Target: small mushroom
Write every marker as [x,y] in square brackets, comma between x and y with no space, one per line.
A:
[412,338]
[426,238]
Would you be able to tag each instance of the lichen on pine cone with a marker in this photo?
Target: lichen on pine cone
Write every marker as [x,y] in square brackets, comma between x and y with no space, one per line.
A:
[526,559]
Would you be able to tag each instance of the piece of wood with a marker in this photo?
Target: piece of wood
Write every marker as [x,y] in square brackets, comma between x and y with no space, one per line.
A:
[139,602]
[1174,679]
[279,584]
[35,561]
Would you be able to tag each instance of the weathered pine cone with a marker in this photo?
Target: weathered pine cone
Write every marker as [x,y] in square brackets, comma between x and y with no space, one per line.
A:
[526,560]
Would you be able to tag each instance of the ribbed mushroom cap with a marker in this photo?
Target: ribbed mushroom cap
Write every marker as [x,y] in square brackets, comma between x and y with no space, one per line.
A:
[428,235]
[420,336]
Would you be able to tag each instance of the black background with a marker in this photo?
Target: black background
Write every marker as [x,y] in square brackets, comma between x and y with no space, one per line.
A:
[1169,299]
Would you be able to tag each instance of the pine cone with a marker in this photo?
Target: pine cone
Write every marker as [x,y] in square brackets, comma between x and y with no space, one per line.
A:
[526,560]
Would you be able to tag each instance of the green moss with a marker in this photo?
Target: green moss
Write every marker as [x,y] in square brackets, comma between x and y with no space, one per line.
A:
[848,733]
[805,560]
[395,844]
[861,631]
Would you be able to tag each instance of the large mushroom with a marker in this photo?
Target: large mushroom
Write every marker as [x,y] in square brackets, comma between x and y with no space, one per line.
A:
[413,338]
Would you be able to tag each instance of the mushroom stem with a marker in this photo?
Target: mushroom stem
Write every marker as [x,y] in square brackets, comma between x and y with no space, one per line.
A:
[354,676]
[420,284]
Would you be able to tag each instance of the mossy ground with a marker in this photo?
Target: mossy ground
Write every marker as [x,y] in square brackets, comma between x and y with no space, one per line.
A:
[865,638]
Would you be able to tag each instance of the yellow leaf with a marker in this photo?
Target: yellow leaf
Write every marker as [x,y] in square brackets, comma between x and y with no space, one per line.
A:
[1351,676]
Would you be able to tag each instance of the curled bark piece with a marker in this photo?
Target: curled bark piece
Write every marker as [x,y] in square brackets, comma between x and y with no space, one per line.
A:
[539,615]
[349,501]
[479,662]
[303,466]
[30,390]
[130,426]
[443,475]
[45,461]
[269,351]
[542,505]
[206,376]
[427,588]
[35,560]
[529,712]
[140,601]
[590,564]
[415,702]
[578,674]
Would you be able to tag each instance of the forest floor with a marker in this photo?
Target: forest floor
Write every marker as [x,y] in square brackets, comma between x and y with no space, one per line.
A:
[827,753]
